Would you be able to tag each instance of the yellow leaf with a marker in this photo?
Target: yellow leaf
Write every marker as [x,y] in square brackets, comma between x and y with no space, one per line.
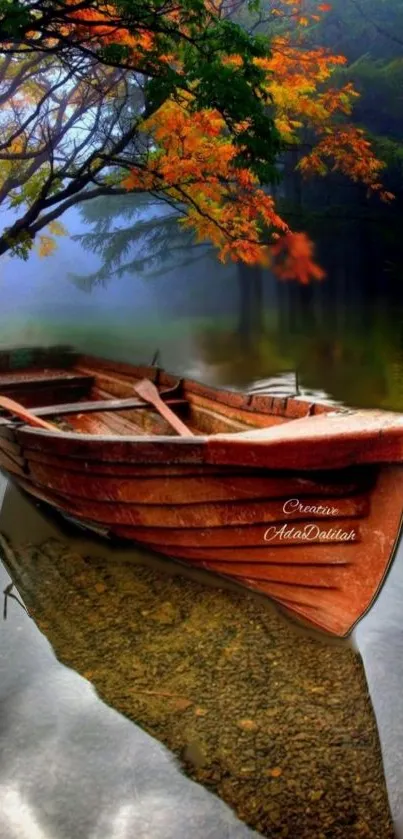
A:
[57,228]
[46,245]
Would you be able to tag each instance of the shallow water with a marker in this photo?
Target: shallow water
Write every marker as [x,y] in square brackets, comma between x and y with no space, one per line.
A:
[59,738]
[72,766]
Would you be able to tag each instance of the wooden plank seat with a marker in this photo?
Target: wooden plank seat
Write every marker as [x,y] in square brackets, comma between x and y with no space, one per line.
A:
[107,424]
[47,387]
[97,406]
[104,405]
[21,381]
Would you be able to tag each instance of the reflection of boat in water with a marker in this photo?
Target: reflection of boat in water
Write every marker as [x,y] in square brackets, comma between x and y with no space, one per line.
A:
[299,500]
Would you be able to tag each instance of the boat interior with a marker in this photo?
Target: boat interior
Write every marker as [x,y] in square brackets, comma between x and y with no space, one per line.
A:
[90,395]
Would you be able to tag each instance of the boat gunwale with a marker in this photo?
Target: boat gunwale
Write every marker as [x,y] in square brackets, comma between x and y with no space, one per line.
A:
[254,403]
[215,393]
[253,438]
[209,445]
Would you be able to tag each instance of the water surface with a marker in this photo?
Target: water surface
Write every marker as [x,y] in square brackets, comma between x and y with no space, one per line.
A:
[276,721]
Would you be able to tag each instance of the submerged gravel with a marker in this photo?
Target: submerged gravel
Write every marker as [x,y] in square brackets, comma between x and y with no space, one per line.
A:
[277,722]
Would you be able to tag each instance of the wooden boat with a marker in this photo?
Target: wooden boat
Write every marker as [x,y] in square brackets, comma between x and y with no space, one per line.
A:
[300,501]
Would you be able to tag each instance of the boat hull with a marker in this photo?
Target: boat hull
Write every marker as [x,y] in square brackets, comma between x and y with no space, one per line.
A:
[317,543]
[299,501]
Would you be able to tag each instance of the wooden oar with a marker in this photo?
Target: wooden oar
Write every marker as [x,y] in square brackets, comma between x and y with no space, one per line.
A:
[147,391]
[23,413]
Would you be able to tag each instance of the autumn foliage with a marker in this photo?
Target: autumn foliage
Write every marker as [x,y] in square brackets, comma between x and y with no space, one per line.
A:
[206,161]
[194,160]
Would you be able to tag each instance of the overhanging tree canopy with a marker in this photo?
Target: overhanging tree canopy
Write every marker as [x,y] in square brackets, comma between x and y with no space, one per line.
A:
[175,99]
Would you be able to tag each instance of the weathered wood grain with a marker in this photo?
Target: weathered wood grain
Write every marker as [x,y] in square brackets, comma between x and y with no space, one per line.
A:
[182,489]
[213,500]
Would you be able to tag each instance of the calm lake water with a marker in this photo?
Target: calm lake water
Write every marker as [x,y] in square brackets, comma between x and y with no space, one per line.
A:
[341,339]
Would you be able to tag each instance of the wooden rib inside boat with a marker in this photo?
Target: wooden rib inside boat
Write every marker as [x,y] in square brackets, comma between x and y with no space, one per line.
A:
[300,501]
